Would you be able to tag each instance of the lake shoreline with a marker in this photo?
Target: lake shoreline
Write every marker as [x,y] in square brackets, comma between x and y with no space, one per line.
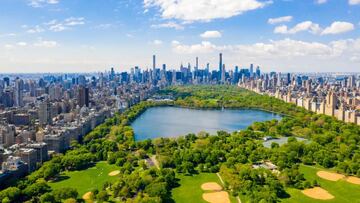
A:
[171,121]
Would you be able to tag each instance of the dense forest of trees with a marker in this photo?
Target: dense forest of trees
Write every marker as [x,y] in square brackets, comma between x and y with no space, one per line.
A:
[331,144]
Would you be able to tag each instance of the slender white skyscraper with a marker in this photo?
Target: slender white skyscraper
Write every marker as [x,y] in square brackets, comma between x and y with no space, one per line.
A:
[154,69]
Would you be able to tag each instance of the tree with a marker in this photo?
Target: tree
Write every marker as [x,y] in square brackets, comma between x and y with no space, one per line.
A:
[70,200]
[102,196]
[36,189]
[11,193]
[47,198]
[65,193]
[157,190]
[51,171]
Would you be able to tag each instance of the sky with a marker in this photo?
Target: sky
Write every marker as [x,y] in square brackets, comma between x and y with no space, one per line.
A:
[95,35]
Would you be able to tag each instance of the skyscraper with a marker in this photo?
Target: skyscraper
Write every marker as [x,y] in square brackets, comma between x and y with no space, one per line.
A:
[258,72]
[220,65]
[7,135]
[112,74]
[7,81]
[45,112]
[223,71]
[83,96]
[251,70]
[351,81]
[19,86]
[288,78]
[154,69]
[197,64]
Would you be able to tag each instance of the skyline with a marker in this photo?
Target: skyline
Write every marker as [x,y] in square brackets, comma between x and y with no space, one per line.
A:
[81,36]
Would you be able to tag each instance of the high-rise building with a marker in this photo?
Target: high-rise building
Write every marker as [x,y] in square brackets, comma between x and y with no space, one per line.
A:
[288,78]
[7,98]
[7,135]
[351,82]
[197,64]
[330,104]
[251,70]
[223,71]
[220,65]
[83,96]
[28,156]
[154,69]
[112,74]
[45,112]
[154,62]
[258,72]
[19,87]
[7,81]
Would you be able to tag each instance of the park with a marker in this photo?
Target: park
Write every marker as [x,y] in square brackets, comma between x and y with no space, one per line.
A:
[85,181]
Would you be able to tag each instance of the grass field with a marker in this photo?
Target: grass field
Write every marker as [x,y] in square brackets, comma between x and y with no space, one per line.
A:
[190,188]
[86,180]
[343,191]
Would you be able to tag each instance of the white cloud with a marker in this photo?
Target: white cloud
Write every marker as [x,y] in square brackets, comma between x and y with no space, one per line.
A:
[354,2]
[321,1]
[203,47]
[41,3]
[274,49]
[203,10]
[74,21]
[168,25]
[280,20]
[8,35]
[22,44]
[314,28]
[9,46]
[52,22]
[45,43]
[211,34]
[157,42]
[277,51]
[129,35]
[36,29]
[300,27]
[104,26]
[338,27]
[58,26]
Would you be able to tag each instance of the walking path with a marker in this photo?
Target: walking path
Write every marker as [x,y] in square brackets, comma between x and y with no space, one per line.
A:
[156,163]
[223,183]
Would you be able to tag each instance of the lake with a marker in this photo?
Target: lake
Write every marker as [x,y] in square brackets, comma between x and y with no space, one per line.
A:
[174,121]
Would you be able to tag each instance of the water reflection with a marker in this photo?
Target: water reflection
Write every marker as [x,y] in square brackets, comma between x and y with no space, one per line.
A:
[174,121]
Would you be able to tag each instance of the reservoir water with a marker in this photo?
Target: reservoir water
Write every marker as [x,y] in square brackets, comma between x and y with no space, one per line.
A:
[174,121]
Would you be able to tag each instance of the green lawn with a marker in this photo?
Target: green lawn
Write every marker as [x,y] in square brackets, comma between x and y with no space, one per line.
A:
[343,191]
[86,180]
[190,188]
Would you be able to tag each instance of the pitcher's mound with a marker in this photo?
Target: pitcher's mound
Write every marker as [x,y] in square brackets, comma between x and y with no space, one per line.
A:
[353,180]
[216,197]
[114,173]
[318,193]
[330,176]
[212,186]
[87,196]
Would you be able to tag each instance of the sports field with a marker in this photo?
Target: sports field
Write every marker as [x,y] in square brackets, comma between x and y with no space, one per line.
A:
[86,180]
[342,190]
[190,188]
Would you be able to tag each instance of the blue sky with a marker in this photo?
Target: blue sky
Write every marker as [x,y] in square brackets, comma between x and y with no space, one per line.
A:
[94,35]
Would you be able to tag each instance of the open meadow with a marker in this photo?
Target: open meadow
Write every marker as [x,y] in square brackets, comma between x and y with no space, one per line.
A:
[86,180]
[190,189]
[342,190]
